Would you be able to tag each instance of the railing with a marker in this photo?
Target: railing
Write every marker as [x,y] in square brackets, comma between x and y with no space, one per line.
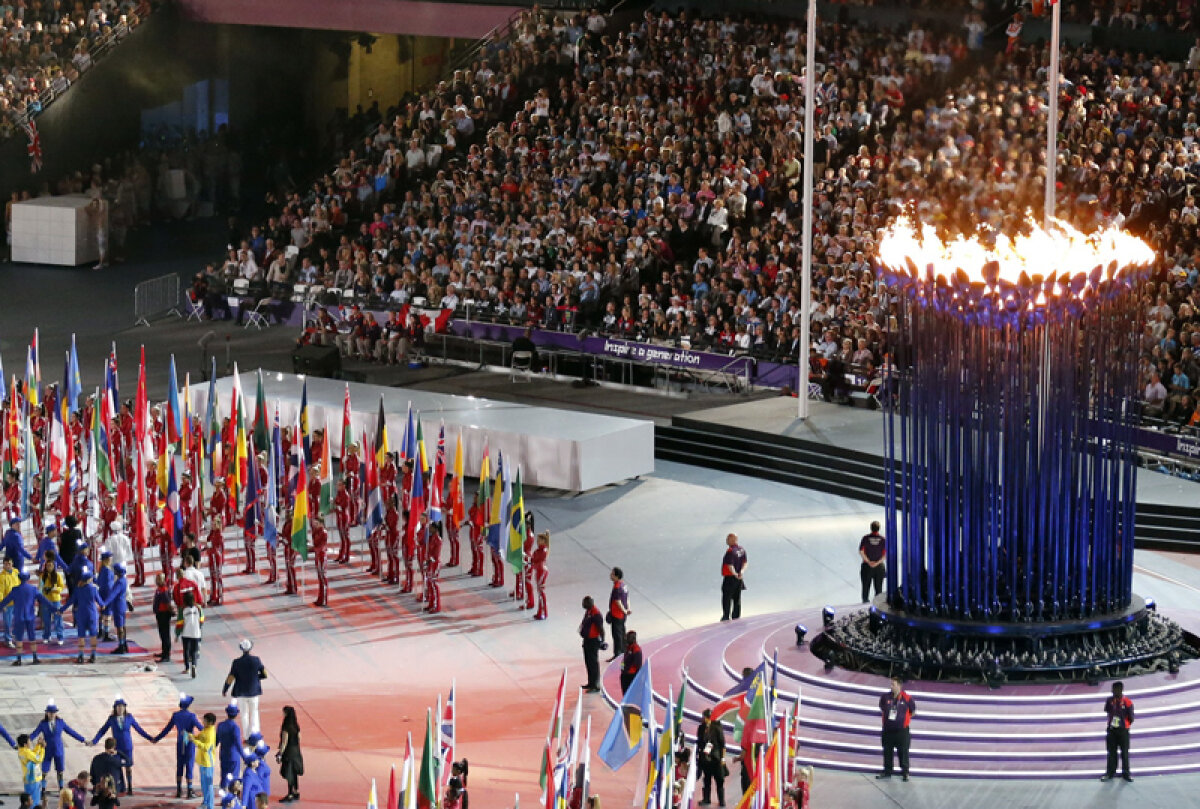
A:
[156,298]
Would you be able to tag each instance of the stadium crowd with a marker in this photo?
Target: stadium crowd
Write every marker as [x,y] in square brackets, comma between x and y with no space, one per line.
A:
[46,46]
[644,183]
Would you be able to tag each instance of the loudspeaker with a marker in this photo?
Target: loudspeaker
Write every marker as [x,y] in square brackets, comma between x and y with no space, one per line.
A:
[317,361]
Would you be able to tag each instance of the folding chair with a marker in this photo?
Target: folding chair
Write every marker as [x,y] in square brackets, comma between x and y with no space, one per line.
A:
[255,316]
[521,368]
[195,307]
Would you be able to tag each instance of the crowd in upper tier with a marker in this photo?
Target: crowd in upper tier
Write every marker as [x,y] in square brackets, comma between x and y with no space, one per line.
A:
[645,182]
[45,45]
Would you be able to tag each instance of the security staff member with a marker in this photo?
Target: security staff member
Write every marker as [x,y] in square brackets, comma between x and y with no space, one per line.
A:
[733,565]
[592,632]
[897,709]
[873,550]
[618,610]
[1119,710]
[631,663]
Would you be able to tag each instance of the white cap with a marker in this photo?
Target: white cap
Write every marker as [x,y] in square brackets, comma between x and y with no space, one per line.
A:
[116,525]
[50,523]
[246,645]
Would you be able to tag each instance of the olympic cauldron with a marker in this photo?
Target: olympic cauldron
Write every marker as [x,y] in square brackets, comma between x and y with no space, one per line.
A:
[1010,406]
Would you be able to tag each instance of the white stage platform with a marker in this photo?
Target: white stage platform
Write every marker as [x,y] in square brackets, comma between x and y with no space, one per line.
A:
[556,449]
[54,230]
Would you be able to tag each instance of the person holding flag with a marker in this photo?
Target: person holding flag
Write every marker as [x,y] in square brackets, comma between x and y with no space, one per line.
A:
[299,532]
[541,573]
[433,568]
[320,541]
[216,561]
[343,511]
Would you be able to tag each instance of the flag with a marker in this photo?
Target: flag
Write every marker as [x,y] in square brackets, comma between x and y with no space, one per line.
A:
[409,450]
[237,425]
[32,388]
[446,730]
[679,706]
[455,497]
[252,510]
[773,692]
[381,436]
[185,439]
[347,429]
[305,436]
[33,146]
[421,456]
[172,514]
[374,495]
[300,515]
[212,426]
[439,763]
[174,415]
[407,781]
[262,430]
[688,797]
[427,797]
[326,470]
[391,799]
[516,527]
[372,800]
[572,745]
[553,734]
[435,497]
[270,515]
[439,461]
[499,511]
[73,387]
[755,731]
[416,504]
[584,769]
[625,734]
[651,770]
[735,699]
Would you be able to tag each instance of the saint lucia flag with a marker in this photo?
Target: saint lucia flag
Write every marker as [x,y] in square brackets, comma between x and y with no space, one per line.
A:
[625,733]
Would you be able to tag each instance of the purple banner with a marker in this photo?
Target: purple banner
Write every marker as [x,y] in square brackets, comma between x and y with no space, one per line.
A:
[1187,446]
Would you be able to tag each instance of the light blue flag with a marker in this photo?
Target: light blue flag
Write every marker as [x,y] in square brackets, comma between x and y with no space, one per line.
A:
[626,733]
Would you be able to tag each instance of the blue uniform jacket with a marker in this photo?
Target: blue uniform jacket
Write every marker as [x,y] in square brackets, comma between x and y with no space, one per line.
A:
[105,581]
[78,563]
[115,603]
[229,742]
[122,731]
[184,722]
[255,780]
[14,548]
[54,742]
[7,738]
[25,598]
[48,544]
[85,599]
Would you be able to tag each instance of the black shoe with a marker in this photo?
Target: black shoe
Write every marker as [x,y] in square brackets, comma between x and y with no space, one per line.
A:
[92,657]
[35,660]
[17,662]
[179,791]
[1127,777]
[1106,777]
[190,793]
[883,776]
[904,777]
[79,659]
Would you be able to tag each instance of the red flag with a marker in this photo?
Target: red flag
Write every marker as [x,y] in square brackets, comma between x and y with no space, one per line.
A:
[392,798]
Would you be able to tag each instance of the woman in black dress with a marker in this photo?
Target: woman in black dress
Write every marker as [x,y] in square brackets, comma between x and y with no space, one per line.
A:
[289,758]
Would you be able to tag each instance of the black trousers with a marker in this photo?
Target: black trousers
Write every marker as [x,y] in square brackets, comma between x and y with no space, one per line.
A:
[714,771]
[895,743]
[731,598]
[868,575]
[591,659]
[164,631]
[1117,740]
[618,636]
[191,651]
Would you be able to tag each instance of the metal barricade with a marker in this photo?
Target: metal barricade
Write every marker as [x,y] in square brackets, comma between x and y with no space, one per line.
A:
[157,297]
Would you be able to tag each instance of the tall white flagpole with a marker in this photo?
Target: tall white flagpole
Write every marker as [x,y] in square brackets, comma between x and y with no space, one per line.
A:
[1052,88]
[810,93]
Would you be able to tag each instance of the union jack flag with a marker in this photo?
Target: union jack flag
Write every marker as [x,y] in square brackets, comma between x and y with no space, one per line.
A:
[34,149]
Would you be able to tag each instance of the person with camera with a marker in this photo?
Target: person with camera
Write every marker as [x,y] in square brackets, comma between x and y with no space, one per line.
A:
[592,632]
[710,752]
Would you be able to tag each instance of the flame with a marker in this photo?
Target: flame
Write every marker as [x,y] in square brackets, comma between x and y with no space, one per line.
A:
[1062,252]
